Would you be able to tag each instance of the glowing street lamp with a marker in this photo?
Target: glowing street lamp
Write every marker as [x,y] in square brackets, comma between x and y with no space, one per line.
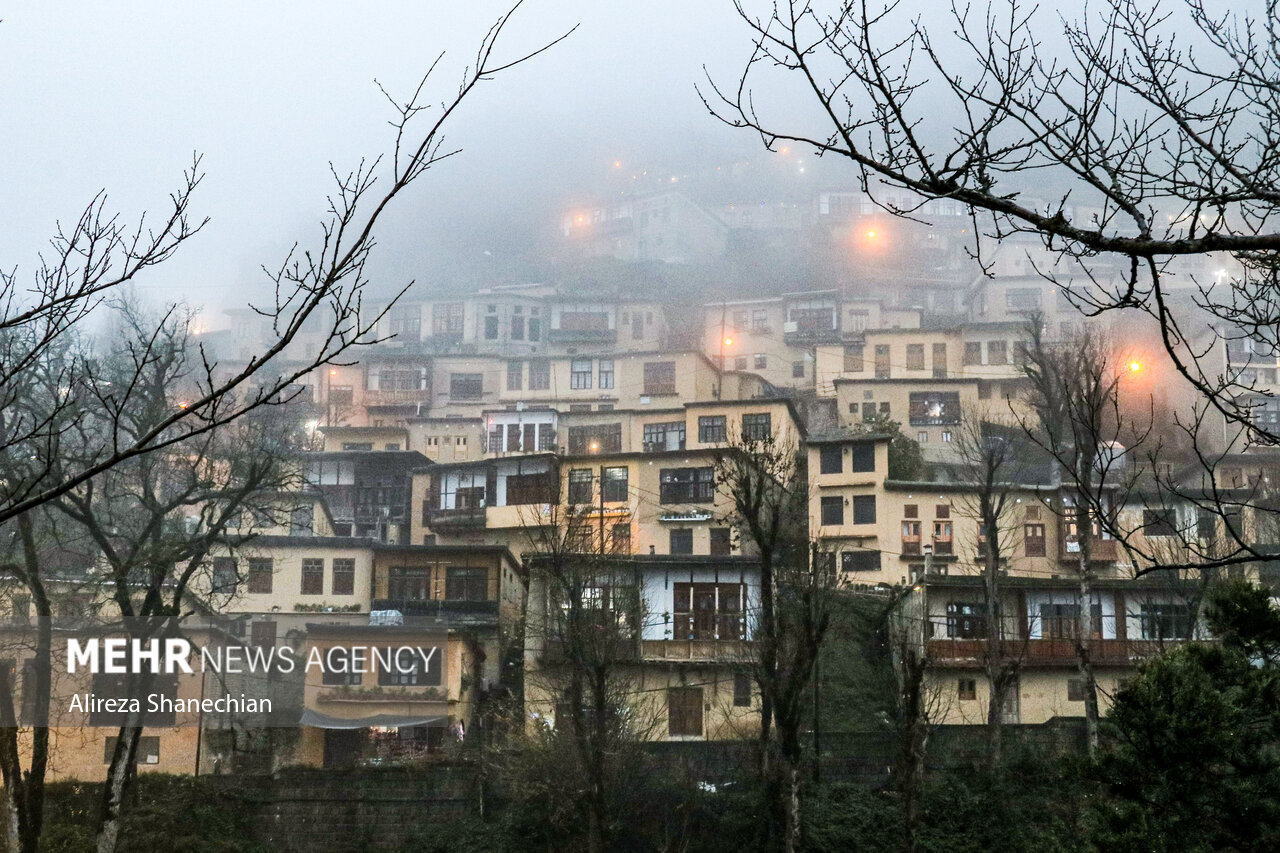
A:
[1135,366]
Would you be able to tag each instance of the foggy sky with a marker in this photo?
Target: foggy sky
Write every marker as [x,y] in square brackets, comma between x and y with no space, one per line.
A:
[119,96]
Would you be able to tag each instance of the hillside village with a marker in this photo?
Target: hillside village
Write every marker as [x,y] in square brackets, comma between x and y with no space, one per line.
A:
[437,462]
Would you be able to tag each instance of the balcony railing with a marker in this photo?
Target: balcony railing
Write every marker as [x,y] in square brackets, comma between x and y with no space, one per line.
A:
[1100,550]
[435,607]
[696,650]
[1052,651]
[467,517]
[582,336]
[397,397]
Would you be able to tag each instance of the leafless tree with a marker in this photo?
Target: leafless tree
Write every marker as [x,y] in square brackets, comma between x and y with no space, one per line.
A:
[994,457]
[1154,127]
[766,483]
[323,284]
[583,628]
[1075,389]
[90,261]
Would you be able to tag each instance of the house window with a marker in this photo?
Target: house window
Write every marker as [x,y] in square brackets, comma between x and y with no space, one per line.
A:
[832,511]
[466,386]
[20,610]
[884,409]
[539,374]
[946,435]
[860,561]
[664,436]
[535,329]
[942,537]
[615,485]
[515,375]
[1033,539]
[526,489]
[466,584]
[1165,621]
[580,374]
[1159,522]
[868,412]
[1206,525]
[606,373]
[517,328]
[761,361]
[910,510]
[910,537]
[225,575]
[720,542]
[312,576]
[447,318]
[262,634]
[595,438]
[853,359]
[864,458]
[621,534]
[1022,300]
[972,353]
[939,361]
[681,540]
[490,328]
[148,749]
[741,690]
[934,408]
[997,352]
[831,459]
[686,485]
[1075,689]
[757,427]
[738,321]
[341,395]
[966,689]
[1062,621]
[684,711]
[759,320]
[580,486]
[338,668]
[659,378]
[712,429]
[708,611]
[409,583]
[344,576]
[965,621]
[864,509]
[797,370]
[740,362]
[915,356]
[407,668]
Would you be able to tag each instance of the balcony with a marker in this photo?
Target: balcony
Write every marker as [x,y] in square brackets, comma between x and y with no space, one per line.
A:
[416,610]
[723,651]
[465,518]
[1045,652]
[1100,550]
[582,336]
[397,397]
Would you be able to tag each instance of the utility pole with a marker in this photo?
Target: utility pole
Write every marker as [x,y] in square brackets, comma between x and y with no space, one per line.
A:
[601,510]
[724,307]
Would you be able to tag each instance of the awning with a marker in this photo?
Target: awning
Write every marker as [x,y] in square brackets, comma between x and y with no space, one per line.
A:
[390,721]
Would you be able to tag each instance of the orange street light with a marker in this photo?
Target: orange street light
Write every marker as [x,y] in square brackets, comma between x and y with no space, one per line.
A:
[728,342]
[1135,367]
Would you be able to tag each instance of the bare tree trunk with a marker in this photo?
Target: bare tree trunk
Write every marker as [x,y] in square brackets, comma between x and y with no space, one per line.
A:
[997,681]
[793,808]
[1084,643]
[912,740]
[118,776]
[24,791]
